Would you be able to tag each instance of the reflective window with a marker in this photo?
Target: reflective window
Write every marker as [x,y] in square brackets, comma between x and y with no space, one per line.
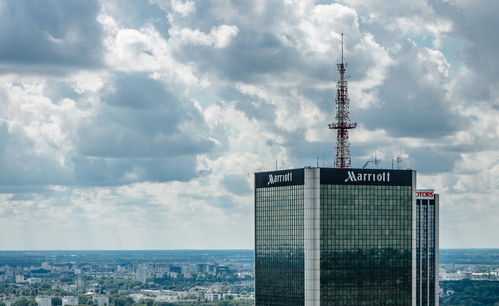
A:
[279,262]
[425,252]
[366,245]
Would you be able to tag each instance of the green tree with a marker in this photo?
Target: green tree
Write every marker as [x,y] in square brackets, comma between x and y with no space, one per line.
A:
[56,301]
[118,300]
[84,299]
[24,301]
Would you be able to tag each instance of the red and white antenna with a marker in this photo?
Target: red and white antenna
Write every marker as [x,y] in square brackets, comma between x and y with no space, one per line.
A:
[342,121]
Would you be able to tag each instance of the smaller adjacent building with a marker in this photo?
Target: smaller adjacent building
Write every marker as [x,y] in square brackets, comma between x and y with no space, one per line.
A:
[427,213]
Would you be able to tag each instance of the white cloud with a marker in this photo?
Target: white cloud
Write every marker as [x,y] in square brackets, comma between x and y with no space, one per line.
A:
[183,7]
[176,103]
[219,37]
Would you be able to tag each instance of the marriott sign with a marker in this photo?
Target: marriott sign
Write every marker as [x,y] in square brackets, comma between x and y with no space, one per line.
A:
[336,176]
[367,177]
[280,178]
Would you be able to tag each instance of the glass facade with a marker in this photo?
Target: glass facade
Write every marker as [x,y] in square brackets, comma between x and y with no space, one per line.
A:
[426,252]
[279,245]
[366,245]
[359,223]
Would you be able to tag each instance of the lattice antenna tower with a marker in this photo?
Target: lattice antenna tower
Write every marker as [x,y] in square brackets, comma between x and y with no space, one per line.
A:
[342,121]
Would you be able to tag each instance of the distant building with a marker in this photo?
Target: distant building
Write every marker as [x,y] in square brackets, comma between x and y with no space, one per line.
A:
[222,269]
[173,275]
[176,269]
[20,278]
[141,273]
[34,280]
[70,300]
[101,300]
[213,297]
[165,298]
[136,297]
[211,268]
[44,300]
[202,268]
[80,284]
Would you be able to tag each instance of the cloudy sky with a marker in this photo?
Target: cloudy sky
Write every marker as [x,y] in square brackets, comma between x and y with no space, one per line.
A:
[135,124]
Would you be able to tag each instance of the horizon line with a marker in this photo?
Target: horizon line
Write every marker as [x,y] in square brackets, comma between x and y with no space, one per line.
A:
[132,250]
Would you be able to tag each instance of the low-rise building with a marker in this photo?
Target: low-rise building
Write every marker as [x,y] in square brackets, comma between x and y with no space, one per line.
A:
[44,300]
[70,300]
[20,278]
[213,297]
[101,300]
[34,280]
[8,302]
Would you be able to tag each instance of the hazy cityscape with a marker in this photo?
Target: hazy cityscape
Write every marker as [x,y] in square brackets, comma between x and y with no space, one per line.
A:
[183,277]
[125,277]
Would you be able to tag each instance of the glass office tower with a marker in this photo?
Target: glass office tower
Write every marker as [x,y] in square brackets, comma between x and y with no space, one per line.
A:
[427,211]
[329,236]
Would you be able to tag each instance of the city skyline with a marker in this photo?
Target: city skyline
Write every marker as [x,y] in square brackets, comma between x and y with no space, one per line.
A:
[139,124]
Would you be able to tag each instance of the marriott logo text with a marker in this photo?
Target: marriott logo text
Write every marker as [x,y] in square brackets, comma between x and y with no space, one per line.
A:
[367,177]
[280,178]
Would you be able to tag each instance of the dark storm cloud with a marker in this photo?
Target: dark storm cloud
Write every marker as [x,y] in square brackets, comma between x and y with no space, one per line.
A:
[141,118]
[49,32]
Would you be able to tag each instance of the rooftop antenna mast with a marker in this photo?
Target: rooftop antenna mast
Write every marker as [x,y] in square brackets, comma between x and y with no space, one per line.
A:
[342,121]
[399,158]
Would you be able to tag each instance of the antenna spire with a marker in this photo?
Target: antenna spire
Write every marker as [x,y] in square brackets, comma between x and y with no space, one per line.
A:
[342,121]
[342,48]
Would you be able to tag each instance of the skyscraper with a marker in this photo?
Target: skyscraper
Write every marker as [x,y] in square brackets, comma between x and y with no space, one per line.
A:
[427,213]
[330,236]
